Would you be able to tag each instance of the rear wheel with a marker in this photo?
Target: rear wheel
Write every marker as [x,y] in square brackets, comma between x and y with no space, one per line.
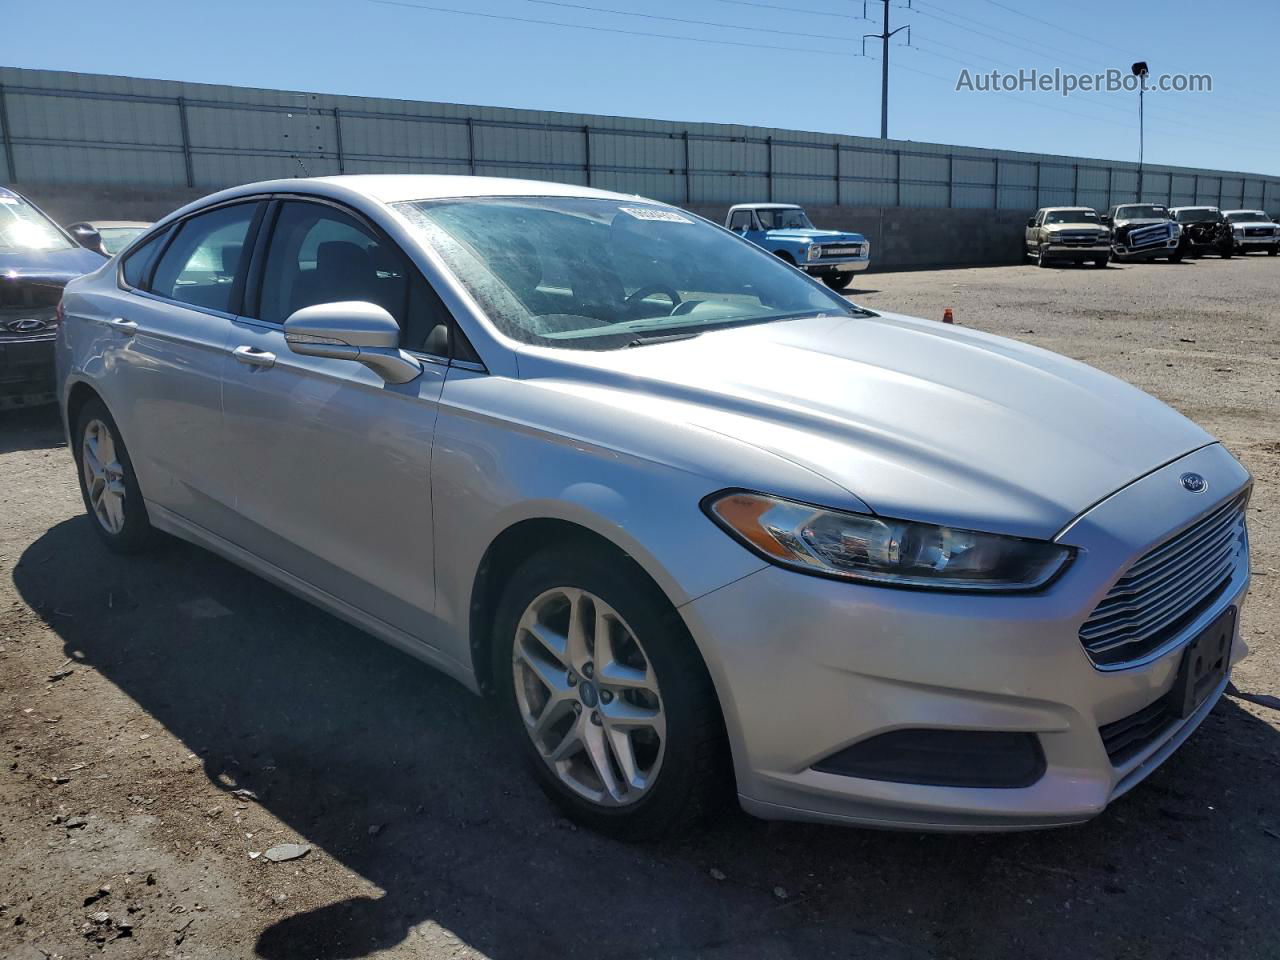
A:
[107,482]
[610,702]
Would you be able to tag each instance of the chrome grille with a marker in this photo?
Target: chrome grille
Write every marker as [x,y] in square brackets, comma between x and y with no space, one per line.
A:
[840,249]
[1167,588]
[1148,236]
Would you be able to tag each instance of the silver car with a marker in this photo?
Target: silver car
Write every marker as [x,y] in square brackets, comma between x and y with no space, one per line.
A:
[701,525]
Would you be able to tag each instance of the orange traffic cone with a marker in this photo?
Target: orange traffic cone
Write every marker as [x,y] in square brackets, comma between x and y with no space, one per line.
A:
[947,316]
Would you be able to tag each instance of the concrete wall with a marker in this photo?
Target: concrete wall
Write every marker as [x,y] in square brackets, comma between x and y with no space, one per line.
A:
[902,238]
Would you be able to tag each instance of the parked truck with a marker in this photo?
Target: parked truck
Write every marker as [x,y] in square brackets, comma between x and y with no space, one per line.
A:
[833,256]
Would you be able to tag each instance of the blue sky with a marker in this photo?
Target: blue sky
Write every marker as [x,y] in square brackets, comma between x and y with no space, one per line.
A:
[502,55]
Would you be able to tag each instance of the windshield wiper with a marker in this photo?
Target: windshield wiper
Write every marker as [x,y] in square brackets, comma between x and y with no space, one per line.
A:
[661,338]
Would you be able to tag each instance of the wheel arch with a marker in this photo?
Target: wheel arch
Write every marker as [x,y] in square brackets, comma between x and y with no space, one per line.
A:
[78,394]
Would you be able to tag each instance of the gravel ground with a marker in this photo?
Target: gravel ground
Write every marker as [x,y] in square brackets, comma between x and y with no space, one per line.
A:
[140,700]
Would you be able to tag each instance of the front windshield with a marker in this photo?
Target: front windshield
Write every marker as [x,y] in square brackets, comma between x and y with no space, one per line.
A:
[115,239]
[1071,216]
[1247,216]
[784,218]
[23,227]
[593,274]
[1142,211]
[1197,214]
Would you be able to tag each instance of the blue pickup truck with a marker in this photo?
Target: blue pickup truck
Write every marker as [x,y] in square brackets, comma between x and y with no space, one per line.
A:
[785,229]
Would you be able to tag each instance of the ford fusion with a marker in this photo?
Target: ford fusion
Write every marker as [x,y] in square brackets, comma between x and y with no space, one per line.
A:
[698,523]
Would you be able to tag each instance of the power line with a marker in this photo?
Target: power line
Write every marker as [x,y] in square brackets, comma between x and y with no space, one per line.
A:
[615,30]
[788,9]
[1061,29]
[701,23]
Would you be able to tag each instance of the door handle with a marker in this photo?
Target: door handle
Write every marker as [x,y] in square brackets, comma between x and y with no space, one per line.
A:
[123,326]
[253,357]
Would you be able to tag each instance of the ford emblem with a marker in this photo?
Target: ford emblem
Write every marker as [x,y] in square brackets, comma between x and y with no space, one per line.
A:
[1193,483]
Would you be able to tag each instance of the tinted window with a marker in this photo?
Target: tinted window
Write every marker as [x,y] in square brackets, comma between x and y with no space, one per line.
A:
[137,266]
[1071,216]
[206,258]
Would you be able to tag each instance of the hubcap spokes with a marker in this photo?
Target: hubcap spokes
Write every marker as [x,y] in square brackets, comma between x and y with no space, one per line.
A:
[589,697]
[103,476]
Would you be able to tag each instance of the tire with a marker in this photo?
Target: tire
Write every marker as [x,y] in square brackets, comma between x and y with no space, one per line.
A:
[837,280]
[1175,257]
[110,490]
[1041,259]
[1226,252]
[686,765]
[1102,262]
[1272,251]
[784,257]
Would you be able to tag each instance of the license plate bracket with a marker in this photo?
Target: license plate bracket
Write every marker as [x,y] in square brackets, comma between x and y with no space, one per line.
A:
[1204,663]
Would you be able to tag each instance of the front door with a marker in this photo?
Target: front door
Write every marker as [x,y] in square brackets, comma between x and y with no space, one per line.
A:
[333,464]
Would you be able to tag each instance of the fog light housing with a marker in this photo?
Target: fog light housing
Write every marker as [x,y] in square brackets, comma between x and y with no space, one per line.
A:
[943,758]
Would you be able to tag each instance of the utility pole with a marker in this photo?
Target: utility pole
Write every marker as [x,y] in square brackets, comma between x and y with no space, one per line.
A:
[1140,71]
[883,36]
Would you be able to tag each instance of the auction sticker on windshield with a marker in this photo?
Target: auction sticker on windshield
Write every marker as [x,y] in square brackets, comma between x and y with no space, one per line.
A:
[651,213]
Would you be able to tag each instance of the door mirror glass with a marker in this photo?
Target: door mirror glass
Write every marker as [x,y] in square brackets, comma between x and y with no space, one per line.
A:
[1031,221]
[352,330]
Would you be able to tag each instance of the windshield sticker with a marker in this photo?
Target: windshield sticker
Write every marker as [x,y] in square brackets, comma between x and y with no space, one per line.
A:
[10,200]
[652,213]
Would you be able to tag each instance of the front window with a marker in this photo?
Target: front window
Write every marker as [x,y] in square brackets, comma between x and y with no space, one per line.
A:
[23,227]
[784,218]
[593,274]
[1198,215]
[1071,216]
[1247,216]
[1142,211]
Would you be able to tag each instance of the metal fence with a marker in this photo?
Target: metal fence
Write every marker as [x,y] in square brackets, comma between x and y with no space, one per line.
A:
[58,127]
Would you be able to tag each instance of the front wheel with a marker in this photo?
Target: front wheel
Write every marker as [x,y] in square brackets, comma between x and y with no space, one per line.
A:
[1175,257]
[1041,259]
[837,280]
[107,482]
[1101,262]
[609,700]
[1272,251]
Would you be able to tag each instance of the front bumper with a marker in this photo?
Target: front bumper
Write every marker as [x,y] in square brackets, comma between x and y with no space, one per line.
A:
[819,267]
[1152,252]
[806,667]
[26,372]
[1261,242]
[1064,251]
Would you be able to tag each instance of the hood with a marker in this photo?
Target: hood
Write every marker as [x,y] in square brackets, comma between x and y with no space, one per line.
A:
[1079,225]
[915,419]
[1253,223]
[57,266]
[1139,221]
[816,236]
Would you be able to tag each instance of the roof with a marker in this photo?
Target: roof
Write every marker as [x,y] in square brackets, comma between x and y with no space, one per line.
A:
[398,187]
[1090,209]
[766,206]
[109,224]
[1249,210]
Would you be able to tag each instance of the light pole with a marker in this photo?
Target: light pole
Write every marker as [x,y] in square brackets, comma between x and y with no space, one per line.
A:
[1140,71]
[883,36]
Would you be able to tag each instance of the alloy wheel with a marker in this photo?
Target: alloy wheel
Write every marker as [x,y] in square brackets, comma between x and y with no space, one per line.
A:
[589,697]
[103,476]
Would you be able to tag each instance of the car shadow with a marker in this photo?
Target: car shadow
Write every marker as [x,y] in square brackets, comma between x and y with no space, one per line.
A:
[31,428]
[336,733]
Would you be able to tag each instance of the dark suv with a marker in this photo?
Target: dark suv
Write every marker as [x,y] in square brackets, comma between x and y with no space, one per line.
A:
[37,258]
[1204,230]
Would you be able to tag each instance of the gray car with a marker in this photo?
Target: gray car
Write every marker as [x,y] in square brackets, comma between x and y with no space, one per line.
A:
[699,524]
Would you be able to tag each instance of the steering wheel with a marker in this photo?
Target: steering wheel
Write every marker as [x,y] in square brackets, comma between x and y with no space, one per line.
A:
[651,289]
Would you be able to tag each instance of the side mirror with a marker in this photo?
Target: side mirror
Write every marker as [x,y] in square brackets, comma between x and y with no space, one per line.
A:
[88,237]
[1105,218]
[1031,221]
[352,330]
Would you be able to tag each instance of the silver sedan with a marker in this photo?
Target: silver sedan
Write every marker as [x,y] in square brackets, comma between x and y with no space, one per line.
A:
[701,526]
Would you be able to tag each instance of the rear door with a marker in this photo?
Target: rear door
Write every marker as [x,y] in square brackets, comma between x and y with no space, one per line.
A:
[169,328]
[332,464]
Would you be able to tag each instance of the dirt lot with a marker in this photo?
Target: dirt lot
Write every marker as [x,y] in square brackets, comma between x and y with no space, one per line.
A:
[138,697]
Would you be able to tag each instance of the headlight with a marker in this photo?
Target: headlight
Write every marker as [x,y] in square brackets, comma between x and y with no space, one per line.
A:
[814,252]
[853,546]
